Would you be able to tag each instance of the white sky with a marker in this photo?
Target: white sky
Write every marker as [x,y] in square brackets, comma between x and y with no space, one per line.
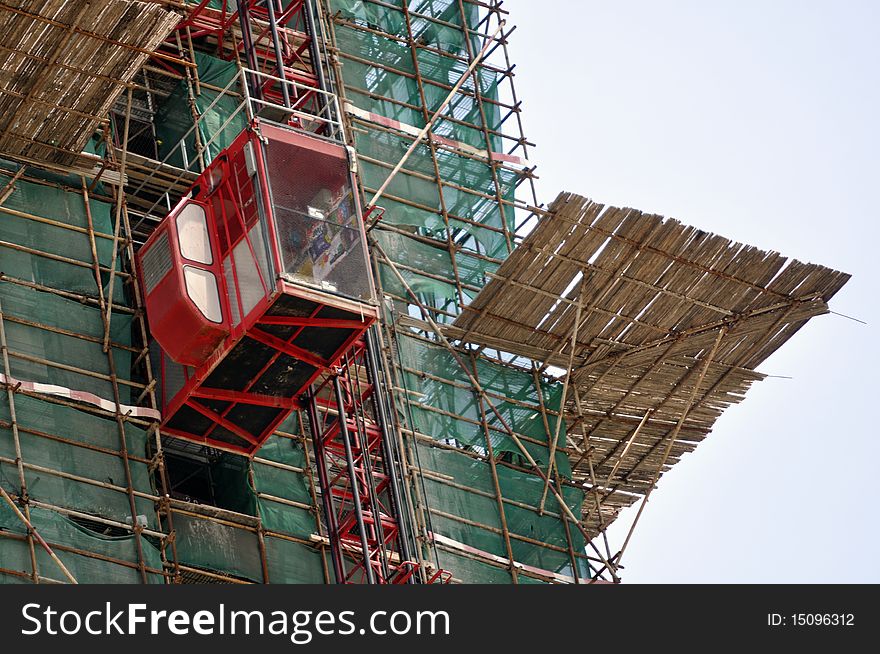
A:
[758,121]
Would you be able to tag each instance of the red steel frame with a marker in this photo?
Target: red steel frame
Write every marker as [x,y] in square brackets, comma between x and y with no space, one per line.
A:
[294,41]
[352,470]
[195,377]
[359,480]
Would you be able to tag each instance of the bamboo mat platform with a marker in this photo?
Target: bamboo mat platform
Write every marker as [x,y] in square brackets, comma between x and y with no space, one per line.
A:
[672,323]
[63,63]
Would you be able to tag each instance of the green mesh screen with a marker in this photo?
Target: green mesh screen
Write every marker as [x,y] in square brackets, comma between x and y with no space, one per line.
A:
[284,484]
[39,421]
[380,76]
[448,236]
[283,495]
[58,340]
[72,458]
[81,550]
[461,495]
[55,203]
[54,339]
[293,563]
[175,117]
[446,408]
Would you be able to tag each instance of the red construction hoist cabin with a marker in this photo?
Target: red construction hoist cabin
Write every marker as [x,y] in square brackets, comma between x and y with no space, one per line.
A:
[255,285]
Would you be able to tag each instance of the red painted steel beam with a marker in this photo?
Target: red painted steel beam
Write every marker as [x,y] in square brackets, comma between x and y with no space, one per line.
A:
[288,348]
[243,397]
[220,420]
[303,321]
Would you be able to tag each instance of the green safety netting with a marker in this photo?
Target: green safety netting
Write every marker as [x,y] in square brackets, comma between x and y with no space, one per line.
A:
[392,76]
[59,530]
[232,488]
[60,258]
[462,498]
[55,203]
[293,563]
[419,202]
[475,221]
[284,484]
[233,550]
[222,548]
[96,145]
[174,119]
[288,561]
[40,423]
[445,407]
[42,342]
[468,510]
[384,18]
[471,571]
[58,340]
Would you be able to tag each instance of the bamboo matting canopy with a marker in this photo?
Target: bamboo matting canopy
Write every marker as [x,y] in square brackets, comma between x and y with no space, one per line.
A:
[63,63]
[661,325]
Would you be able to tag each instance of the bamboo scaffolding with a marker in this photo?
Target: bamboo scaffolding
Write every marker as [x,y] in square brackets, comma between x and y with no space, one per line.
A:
[22,484]
[495,197]
[661,331]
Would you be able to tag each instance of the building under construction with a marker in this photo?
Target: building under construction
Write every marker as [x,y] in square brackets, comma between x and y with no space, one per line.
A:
[279,303]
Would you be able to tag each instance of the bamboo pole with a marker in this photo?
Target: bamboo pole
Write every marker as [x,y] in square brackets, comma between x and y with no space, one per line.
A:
[9,189]
[672,437]
[484,126]
[499,497]
[120,199]
[10,397]
[536,377]
[119,417]
[164,484]
[559,418]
